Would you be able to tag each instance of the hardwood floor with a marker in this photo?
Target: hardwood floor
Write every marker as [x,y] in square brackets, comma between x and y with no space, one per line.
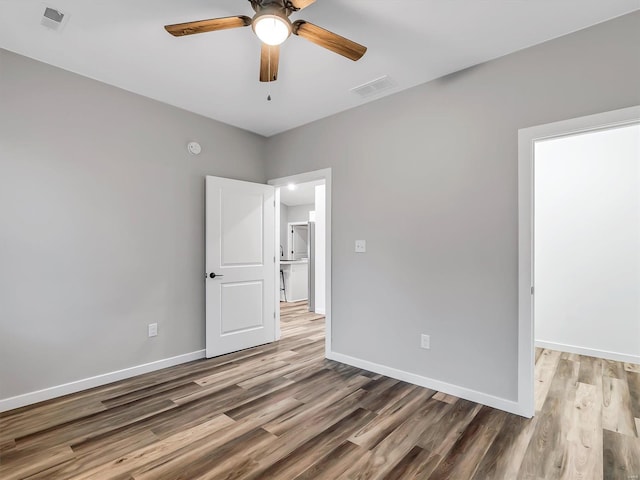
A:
[282,411]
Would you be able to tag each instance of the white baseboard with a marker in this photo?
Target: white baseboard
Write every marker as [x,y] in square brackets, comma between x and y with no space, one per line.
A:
[590,352]
[91,382]
[320,311]
[448,388]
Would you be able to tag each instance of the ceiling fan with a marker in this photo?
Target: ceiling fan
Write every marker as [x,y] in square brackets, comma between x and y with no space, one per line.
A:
[272,26]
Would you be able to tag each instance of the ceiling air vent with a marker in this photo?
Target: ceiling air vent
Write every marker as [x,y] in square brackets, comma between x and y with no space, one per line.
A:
[53,19]
[374,87]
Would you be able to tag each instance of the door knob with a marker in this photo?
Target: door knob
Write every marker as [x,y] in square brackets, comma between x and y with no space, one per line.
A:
[213,275]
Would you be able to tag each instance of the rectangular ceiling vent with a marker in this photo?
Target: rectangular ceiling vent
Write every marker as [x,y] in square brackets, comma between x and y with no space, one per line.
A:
[53,19]
[374,87]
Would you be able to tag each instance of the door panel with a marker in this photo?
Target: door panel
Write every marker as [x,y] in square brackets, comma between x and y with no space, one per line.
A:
[243,227]
[241,307]
[240,246]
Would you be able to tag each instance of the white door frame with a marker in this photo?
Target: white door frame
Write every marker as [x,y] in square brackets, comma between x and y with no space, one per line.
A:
[526,143]
[324,174]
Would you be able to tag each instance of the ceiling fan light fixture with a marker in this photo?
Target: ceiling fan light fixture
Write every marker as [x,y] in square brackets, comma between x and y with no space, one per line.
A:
[271,29]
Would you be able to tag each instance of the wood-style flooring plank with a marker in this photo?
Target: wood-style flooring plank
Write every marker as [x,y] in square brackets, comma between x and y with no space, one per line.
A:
[347,397]
[92,454]
[120,467]
[262,399]
[574,357]
[633,382]
[398,443]
[335,463]
[547,451]
[613,369]
[616,401]
[315,449]
[544,374]
[590,370]
[291,439]
[443,397]
[584,435]
[378,429]
[504,457]
[209,464]
[173,466]
[388,394]
[417,463]
[34,463]
[95,425]
[621,456]
[440,437]
[465,456]
[46,416]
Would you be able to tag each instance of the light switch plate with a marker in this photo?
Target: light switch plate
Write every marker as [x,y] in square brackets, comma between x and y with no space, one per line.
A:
[361,246]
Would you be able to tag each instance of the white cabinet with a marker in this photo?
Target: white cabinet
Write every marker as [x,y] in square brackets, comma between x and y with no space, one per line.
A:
[296,280]
[298,240]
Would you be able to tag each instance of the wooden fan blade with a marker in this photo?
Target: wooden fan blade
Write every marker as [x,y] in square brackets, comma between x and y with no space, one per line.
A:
[269,57]
[329,40]
[201,26]
[300,4]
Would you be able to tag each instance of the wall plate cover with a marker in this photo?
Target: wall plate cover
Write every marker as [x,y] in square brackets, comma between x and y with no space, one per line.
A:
[361,246]
[153,329]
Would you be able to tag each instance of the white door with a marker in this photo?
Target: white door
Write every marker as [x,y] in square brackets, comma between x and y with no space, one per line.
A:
[240,265]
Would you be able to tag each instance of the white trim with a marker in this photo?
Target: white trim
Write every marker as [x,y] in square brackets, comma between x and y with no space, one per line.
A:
[526,139]
[294,300]
[276,255]
[324,174]
[448,388]
[590,352]
[97,381]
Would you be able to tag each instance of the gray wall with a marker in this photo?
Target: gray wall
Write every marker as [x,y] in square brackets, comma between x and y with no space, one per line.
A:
[300,213]
[429,178]
[101,224]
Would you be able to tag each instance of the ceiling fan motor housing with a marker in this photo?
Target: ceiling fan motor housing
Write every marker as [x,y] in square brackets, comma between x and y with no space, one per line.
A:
[284,7]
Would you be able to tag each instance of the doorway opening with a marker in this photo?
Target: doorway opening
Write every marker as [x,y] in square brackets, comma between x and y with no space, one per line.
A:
[579,267]
[303,233]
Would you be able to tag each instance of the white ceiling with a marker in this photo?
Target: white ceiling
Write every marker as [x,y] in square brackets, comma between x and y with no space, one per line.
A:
[304,194]
[123,43]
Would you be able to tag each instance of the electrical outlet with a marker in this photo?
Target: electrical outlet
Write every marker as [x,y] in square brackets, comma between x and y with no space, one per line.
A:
[425,341]
[153,329]
[361,246]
